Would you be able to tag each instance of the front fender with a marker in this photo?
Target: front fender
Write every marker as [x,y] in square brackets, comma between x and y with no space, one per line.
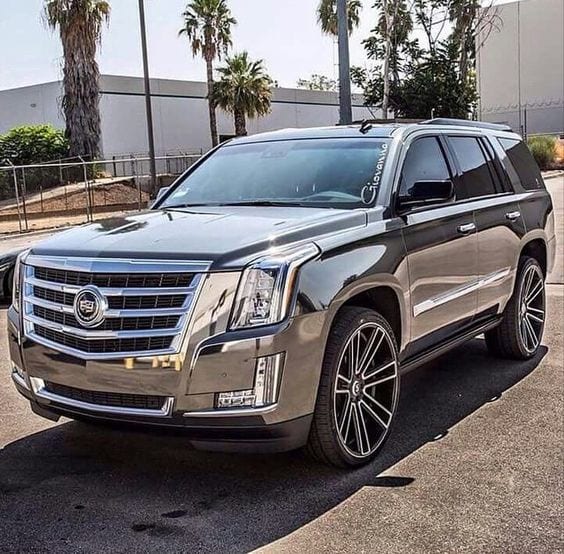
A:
[342,273]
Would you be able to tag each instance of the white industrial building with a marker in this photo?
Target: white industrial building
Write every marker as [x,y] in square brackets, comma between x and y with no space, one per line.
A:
[521,68]
[180,113]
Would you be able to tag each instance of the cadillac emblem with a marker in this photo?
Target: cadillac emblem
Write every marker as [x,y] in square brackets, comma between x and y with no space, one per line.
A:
[89,306]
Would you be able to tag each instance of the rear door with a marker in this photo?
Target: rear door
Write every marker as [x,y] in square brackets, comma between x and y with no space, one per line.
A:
[442,250]
[485,186]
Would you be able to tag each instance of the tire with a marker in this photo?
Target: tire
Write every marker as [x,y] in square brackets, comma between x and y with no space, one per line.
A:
[352,420]
[519,334]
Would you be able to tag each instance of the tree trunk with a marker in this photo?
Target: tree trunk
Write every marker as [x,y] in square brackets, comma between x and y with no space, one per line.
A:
[81,94]
[211,104]
[240,123]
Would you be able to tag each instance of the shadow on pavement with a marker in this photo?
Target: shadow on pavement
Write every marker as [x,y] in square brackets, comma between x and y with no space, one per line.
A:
[75,486]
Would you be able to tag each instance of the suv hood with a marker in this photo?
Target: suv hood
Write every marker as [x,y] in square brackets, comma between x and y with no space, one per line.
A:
[229,237]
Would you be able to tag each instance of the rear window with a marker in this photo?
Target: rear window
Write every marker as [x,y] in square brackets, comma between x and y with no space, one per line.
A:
[478,179]
[522,160]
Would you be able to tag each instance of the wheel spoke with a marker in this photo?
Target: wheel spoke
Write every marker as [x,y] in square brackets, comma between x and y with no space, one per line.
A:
[377,371]
[536,310]
[534,318]
[534,293]
[374,415]
[369,385]
[363,428]
[344,424]
[374,401]
[358,430]
[372,346]
[524,334]
[531,332]
[528,282]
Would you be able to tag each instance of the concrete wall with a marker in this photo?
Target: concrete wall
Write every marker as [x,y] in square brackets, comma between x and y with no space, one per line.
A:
[521,68]
[31,105]
[180,113]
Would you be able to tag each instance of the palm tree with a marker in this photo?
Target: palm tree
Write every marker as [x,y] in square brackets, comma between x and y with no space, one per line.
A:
[327,15]
[244,90]
[207,24]
[80,29]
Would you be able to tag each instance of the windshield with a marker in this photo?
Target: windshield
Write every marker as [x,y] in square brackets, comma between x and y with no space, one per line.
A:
[339,173]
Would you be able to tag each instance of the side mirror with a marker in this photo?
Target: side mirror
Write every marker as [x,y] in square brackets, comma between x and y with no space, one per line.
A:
[161,192]
[424,193]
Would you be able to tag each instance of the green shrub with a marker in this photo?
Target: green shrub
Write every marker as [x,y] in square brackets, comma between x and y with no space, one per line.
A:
[543,149]
[31,144]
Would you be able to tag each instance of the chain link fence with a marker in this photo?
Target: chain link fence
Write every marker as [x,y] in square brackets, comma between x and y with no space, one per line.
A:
[70,192]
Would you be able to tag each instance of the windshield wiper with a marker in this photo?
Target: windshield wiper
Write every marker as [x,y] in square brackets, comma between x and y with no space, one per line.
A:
[261,203]
[241,203]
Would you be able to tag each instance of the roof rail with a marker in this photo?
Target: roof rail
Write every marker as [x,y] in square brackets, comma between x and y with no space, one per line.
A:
[467,123]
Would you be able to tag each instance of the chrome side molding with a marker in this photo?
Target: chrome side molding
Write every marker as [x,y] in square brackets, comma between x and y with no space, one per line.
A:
[458,292]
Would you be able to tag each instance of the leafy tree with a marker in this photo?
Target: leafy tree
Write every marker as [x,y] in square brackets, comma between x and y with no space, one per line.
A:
[207,25]
[327,15]
[424,56]
[244,90]
[432,88]
[388,42]
[318,82]
[80,29]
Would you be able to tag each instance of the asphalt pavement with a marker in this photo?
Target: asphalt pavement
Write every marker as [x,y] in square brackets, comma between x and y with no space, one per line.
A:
[474,464]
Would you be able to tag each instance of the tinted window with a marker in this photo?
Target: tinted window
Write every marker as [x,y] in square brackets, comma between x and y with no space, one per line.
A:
[477,172]
[339,173]
[523,162]
[424,161]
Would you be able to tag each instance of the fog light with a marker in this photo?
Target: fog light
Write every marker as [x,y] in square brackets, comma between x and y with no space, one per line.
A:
[267,378]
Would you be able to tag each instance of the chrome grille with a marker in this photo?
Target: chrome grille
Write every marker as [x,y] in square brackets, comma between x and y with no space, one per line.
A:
[114,324]
[148,304]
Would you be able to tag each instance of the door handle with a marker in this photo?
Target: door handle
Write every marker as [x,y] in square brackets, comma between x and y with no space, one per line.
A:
[466,228]
[512,216]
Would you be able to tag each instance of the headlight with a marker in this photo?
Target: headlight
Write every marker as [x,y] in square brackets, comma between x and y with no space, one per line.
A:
[265,290]
[17,284]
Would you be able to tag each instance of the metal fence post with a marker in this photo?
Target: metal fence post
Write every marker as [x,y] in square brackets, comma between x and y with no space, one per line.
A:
[17,194]
[24,192]
[86,190]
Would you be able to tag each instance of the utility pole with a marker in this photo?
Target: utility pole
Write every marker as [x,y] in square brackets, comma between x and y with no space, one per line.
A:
[345,107]
[148,107]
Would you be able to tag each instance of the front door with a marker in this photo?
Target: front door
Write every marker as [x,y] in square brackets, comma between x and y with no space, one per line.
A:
[442,250]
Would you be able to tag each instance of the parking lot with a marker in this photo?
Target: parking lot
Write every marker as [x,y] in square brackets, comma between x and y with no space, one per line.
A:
[474,464]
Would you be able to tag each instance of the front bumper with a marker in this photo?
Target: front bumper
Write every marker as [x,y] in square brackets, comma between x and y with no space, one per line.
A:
[213,360]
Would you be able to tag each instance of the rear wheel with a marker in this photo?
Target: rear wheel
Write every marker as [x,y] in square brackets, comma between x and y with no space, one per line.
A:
[519,334]
[358,390]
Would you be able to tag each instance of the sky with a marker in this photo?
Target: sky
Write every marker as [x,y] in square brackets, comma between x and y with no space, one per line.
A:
[284,33]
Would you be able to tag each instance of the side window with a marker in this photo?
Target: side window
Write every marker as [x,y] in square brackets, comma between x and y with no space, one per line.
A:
[477,178]
[522,160]
[425,161]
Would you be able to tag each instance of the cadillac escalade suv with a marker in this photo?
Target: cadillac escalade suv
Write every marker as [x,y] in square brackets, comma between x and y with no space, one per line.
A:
[273,296]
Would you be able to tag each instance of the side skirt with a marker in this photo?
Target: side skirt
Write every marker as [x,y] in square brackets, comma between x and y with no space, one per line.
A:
[442,348]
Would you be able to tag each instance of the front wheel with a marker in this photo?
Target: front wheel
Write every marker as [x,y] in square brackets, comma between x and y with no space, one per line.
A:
[358,390]
[519,334]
